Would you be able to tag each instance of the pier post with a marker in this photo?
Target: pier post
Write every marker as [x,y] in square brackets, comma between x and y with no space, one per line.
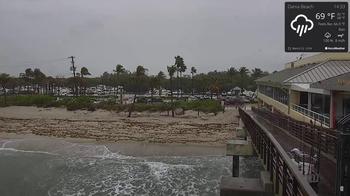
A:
[343,164]
[235,166]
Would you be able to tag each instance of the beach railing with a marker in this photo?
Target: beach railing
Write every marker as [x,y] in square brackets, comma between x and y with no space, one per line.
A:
[323,138]
[284,173]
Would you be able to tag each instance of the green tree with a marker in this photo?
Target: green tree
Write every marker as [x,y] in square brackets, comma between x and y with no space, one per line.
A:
[153,81]
[193,71]
[39,79]
[119,69]
[84,72]
[243,73]
[4,79]
[60,82]
[257,73]
[171,70]
[232,73]
[49,84]
[28,78]
[82,82]
[180,68]
[139,77]
[160,78]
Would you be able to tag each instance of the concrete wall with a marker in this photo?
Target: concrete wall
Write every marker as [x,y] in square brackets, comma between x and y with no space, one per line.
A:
[294,97]
[278,105]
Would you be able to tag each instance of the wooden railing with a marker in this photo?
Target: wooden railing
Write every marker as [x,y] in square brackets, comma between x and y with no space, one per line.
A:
[287,179]
[323,138]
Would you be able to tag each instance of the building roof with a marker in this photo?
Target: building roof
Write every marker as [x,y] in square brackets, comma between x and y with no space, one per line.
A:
[237,88]
[319,58]
[322,71]
[338,83]
[277,78]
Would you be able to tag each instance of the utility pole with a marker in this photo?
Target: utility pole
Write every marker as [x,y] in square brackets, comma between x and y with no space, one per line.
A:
[73,69]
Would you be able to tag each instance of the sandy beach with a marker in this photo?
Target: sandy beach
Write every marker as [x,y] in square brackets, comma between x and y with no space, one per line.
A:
[109,126]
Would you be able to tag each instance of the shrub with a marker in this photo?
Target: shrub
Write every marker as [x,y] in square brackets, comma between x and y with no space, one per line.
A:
[79,103]
[206,106]
[30,100]
[83,102]
[91,108]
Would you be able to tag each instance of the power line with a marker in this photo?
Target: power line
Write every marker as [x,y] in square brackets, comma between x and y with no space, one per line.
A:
[34,63]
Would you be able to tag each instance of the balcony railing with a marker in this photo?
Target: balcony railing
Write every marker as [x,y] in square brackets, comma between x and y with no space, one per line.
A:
[323,119]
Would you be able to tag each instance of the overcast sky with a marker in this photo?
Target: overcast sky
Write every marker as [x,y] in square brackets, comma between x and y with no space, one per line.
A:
[208,34]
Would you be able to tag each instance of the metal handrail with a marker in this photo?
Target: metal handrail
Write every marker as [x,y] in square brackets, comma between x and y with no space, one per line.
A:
[277,160]
[327,138]
[345,119]
[312,114]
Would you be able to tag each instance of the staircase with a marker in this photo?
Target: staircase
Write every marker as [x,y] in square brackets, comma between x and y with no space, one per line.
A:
[344,123]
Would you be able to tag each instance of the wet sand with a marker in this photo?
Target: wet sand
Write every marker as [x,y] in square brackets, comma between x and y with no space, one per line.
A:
[157,128]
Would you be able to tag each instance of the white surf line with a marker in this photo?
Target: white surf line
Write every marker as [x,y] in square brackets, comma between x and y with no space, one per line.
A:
[4,144]
[27,151]
[3,148]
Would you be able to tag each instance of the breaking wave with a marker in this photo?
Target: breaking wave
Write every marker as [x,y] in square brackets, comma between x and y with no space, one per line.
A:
[91,169]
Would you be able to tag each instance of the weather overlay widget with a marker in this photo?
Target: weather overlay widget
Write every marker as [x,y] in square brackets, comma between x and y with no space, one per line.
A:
[316,26]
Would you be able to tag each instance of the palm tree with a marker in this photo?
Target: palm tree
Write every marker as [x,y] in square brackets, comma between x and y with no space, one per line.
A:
[39,79]
[84,72]
[160,78]
[153,82]
[60,82]
[4,79]
[139,75]
[193,71]
[257,73]
[28,77]
[171,70]
[232,72]
[119,69]
[20,83]
[180,67]
[243,72]
[214,88]
[49,84]
[182,70]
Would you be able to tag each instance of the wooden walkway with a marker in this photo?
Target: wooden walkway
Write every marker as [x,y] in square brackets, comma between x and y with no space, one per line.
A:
[326,186]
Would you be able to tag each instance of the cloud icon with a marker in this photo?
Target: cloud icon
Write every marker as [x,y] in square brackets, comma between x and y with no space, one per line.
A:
[301,24]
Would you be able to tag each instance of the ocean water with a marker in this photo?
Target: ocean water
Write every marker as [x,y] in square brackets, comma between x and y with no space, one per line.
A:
[57,167]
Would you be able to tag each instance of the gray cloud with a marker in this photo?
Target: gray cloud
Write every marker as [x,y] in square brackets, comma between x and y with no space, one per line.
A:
[102,33]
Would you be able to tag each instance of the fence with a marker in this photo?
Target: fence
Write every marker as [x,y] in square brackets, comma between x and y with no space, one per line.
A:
[323,138]
[283,172]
